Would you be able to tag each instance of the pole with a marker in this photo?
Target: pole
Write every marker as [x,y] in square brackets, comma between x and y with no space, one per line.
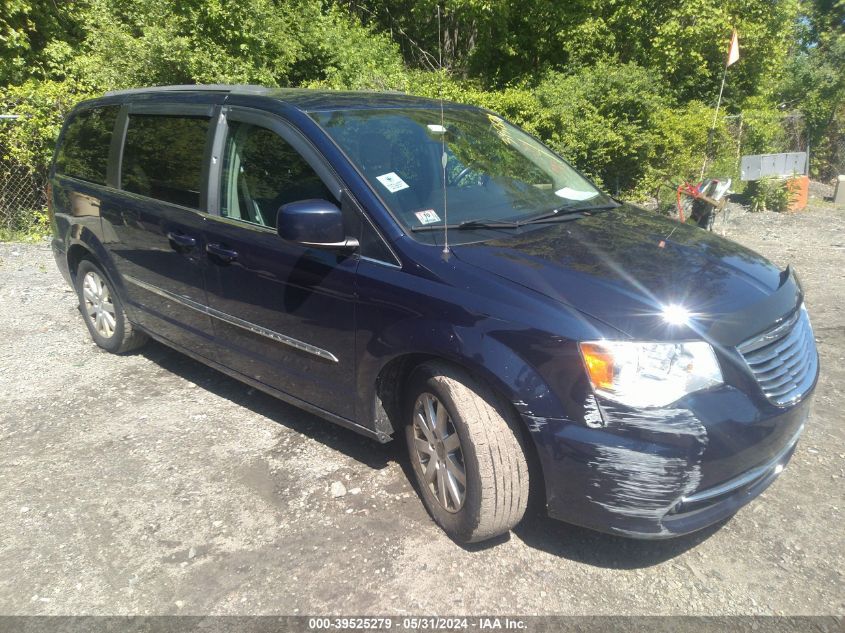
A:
[443,159]
[715,118]
[807,162]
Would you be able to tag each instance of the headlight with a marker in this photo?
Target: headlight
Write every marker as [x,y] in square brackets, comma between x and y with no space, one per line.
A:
[649,374]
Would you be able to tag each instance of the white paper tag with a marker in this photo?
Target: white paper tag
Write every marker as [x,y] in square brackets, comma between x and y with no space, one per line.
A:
[429,216]
[575,194]
[392,182]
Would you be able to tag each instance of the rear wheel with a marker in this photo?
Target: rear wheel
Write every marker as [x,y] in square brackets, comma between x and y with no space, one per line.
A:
[466,453]
[102,310]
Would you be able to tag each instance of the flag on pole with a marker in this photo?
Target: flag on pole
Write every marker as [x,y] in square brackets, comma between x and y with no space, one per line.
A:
[733,51]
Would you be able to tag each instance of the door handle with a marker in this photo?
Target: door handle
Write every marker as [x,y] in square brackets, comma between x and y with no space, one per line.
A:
[222,253]
[182,240]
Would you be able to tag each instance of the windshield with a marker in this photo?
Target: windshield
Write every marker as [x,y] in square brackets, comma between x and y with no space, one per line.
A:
[494,171]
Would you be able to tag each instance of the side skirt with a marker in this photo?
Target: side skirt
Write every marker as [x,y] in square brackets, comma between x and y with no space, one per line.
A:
[281,395]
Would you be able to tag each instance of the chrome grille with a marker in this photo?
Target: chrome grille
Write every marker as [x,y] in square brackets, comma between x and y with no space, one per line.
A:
[784,359]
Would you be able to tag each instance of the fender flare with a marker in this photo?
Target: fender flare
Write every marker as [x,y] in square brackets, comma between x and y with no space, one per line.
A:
[84,237]
[472,348]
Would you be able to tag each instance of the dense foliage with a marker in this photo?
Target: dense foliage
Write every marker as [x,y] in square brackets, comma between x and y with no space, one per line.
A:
[624,88]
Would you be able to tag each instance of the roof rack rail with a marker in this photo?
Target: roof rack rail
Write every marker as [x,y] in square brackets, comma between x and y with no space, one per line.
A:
[242,88]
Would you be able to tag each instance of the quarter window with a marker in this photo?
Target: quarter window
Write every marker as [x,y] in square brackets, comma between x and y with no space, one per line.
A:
[163,157]
[84,152]
[261,172]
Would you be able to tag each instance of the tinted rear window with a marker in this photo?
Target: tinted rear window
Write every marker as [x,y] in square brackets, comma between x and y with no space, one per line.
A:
[84,152]
[163,158]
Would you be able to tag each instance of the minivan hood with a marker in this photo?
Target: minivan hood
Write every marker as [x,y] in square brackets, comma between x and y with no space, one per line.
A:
[624,266]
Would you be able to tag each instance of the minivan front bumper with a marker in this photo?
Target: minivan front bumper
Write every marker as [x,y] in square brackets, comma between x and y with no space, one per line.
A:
[660,473]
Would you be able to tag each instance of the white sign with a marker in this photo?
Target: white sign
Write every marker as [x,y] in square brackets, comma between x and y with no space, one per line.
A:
[575,194]
[429,216]
[392,182]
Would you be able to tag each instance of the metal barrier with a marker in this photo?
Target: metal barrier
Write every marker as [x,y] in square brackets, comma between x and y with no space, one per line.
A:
[758,166]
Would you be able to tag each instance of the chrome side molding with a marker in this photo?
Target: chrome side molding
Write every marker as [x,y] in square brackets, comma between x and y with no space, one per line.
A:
[233,320]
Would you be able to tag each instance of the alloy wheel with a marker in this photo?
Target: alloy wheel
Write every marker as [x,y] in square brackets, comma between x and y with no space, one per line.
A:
[437,449]
[99,307]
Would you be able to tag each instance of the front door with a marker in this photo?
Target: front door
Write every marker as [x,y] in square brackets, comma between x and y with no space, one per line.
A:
[283,314]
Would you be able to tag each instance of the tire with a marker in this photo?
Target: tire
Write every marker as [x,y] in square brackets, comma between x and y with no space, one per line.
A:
[102,310]
[489,449]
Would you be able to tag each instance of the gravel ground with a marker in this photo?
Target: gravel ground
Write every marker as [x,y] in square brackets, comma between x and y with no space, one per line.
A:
[150,484]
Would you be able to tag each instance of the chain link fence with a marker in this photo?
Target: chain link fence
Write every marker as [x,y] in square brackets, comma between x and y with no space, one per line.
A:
[23,192]
[826,158]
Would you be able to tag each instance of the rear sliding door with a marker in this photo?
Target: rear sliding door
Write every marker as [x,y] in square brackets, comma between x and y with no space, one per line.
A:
[154,229]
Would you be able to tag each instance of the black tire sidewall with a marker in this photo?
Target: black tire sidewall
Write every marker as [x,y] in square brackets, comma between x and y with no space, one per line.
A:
[462,524]
[114,342]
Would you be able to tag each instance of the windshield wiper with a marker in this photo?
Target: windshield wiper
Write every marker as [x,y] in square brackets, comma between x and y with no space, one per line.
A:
[559,214]
[568,213]
[469,224]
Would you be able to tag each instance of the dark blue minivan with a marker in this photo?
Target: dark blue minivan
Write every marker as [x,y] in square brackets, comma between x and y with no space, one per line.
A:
[401,266]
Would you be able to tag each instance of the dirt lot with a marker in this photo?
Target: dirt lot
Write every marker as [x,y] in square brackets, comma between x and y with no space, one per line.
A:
[150,484]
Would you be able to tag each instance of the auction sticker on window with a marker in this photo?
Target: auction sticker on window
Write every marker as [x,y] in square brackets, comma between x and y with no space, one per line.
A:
[429,216]
[575,194]
[392,182]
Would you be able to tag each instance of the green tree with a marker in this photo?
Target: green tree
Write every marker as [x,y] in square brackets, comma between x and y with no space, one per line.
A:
[27,28]
[143,42]
[624,88]
[603,118]
[500,42]
[814,84]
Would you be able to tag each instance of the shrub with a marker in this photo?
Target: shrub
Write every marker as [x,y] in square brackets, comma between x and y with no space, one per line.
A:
[613,121]
[29,225]
[42,107]
[769,194]
[518,104]
[681,138]
[604,118]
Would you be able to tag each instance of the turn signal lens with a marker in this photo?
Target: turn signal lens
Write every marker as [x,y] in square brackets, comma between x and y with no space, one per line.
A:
[599,365]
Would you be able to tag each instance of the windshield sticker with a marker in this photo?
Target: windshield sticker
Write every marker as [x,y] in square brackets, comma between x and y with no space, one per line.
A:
[429,216]
[575,194]
[392,182]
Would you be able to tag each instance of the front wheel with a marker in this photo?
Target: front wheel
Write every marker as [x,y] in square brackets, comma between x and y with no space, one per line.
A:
[466,453]
[102,310]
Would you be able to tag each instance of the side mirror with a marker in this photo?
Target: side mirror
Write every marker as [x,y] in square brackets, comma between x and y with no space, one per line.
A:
[314,223]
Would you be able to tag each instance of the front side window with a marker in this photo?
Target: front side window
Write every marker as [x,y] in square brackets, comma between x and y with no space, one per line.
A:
[261,172]
[163,157]
[493,172]
[84,152]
